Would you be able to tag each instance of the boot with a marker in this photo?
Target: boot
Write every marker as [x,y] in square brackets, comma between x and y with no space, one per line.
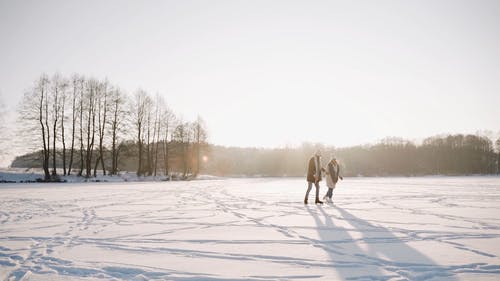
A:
[305,200]
[317,201]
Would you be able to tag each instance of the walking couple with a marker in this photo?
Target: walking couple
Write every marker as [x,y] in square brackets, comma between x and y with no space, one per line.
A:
[314,171]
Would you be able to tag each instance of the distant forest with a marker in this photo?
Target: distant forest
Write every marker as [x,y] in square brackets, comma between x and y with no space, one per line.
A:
[440,155]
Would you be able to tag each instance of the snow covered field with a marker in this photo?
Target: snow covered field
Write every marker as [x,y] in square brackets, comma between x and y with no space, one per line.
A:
[435,228]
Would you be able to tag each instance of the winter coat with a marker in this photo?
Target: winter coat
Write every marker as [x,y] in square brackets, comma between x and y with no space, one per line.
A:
[312,169]
[333,174]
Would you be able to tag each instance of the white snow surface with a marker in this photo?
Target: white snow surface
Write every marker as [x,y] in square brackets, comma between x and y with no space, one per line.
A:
[26,175]
[431,228]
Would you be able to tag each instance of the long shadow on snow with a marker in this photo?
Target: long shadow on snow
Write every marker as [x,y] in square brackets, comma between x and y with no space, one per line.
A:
[372,257]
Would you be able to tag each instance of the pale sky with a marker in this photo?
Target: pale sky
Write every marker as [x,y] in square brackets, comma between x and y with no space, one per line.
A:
[275,73]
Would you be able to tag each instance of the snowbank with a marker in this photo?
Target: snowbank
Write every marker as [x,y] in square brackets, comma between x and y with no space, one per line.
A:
[19,175]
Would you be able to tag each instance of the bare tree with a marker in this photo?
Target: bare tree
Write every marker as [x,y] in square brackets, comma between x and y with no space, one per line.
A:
[102,112]
[117,122]
[200,137]
[95,110]
[81,109]
[149,124]
[156,130]
[139,109]
[57,87]
[181,136]
[167,119]
[77,85]
[163,119]
[92,89]
[34,110]
[63,88]
[188,152]
[46,121]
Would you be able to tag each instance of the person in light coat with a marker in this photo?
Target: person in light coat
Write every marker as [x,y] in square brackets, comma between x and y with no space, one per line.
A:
[332,177]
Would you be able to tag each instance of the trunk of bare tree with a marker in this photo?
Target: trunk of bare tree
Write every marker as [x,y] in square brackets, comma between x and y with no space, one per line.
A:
[165,154]
[54,130]
[140,107]
[148,167]
[73,125]
[101,140]
[139,169]
[184,159]
[114,129]
[165,158]
[63,140]
[90,129]
[99,160]
[91,147]
[167,118]
[101,156]
[91,152]
[156,133]
[48,132]
[50,151]
[156,158]
[101,122]
[45,149]
[148,143]
[80,173]
[198,142]
[96,164]
[54,170]
[117,154]
[87,151]
[185,145]
[114,160]
[156,151]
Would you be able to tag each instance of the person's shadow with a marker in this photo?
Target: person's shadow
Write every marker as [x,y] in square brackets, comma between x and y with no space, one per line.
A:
[360,250]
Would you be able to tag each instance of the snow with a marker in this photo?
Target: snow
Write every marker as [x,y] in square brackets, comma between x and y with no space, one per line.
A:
[20,175]
[29,175]
[431,228]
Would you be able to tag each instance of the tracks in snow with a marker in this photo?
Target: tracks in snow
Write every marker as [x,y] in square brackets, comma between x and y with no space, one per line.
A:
[193,222]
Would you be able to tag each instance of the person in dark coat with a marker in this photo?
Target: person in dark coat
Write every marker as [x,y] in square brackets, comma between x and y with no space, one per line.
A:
[314,170]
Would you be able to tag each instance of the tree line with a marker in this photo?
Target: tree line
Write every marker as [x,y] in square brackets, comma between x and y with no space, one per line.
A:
[440,155]
[86,126]
[82,125]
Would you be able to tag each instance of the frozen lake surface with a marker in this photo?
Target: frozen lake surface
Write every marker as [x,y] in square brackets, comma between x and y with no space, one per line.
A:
[435,228]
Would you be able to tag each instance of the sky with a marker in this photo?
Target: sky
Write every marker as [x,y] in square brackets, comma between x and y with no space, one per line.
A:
[274,73]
